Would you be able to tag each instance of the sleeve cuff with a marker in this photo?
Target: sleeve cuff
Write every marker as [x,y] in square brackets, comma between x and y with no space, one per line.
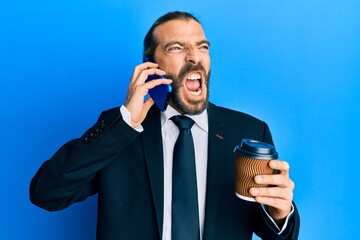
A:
[126,115]
[264,207]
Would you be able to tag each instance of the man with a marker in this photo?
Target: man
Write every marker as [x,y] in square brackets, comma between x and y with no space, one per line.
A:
[127,156]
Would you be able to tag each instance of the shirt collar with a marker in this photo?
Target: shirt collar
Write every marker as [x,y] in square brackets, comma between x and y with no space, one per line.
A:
[200,119]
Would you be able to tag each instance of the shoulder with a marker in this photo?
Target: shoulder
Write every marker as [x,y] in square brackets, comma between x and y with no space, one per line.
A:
[230,115]
[109,116]
[110,111]
[239,125]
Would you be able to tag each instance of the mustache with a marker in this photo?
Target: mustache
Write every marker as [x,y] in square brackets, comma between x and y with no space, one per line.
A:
[187,68]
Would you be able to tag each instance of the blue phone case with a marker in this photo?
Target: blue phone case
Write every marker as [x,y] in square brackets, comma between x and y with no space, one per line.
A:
[160,94]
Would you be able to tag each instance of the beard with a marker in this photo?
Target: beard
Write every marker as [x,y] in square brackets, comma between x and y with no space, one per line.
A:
[188,106]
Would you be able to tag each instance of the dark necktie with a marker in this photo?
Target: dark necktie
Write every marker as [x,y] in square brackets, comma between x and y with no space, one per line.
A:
[185,214]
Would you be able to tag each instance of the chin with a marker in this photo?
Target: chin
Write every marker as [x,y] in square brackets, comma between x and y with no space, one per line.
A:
[189,106]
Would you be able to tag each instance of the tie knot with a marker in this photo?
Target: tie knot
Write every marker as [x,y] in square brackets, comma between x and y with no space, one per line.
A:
[182,122]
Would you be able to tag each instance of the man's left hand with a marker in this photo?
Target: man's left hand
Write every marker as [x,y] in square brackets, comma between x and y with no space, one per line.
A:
[278,195]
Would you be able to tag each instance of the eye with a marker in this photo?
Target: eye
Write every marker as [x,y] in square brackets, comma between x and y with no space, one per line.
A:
[204,47]
[175,49]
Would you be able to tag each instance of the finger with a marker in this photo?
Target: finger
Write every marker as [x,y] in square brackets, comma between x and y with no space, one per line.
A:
[147,72]
[279,165]
[276,180]
[148,103]
[136,93]
[142,67]
[151,84]
[272,192]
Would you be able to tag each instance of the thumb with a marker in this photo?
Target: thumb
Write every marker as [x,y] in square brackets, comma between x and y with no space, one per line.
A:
[148,103]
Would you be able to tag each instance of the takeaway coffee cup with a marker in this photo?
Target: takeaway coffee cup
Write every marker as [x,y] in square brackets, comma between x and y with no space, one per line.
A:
[252,159]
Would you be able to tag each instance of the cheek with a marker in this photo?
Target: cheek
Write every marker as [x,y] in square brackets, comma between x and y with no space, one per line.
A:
[166,64]
[172,67]
[207,63]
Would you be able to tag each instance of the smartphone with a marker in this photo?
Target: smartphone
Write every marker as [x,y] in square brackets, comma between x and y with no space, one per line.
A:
[160,94]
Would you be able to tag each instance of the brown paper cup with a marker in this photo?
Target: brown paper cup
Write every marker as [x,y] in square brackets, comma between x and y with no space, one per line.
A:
[252,159]
[246,170]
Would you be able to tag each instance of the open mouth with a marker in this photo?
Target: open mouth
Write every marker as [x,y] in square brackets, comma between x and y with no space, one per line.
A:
[193,83]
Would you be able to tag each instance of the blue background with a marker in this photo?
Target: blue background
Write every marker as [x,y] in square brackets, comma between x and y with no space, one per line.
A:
[293,63]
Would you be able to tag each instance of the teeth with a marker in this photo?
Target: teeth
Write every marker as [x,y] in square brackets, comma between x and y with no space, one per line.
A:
[197,93]
[194,76]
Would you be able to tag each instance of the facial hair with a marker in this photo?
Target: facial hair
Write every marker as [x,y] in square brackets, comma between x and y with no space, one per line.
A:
[191,107]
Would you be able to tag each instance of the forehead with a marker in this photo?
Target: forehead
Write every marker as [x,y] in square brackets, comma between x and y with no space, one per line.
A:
[179,30]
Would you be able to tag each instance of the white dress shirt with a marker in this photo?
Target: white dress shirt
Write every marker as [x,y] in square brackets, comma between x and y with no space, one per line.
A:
[170,133]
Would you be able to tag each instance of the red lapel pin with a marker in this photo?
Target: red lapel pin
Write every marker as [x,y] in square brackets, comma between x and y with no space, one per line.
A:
[219,136]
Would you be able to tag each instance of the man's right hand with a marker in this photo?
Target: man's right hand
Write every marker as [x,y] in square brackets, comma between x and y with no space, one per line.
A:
[138,88]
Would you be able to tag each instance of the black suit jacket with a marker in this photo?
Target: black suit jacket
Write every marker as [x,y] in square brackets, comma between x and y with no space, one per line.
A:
[125,168]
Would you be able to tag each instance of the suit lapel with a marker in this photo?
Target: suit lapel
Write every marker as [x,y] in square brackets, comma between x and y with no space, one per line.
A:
[216,169]
[153,150]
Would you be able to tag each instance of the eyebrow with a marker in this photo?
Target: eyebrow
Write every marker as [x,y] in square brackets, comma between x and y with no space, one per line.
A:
[203,42]
[182,43]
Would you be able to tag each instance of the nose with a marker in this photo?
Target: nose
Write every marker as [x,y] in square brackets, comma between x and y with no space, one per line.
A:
[192,55]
